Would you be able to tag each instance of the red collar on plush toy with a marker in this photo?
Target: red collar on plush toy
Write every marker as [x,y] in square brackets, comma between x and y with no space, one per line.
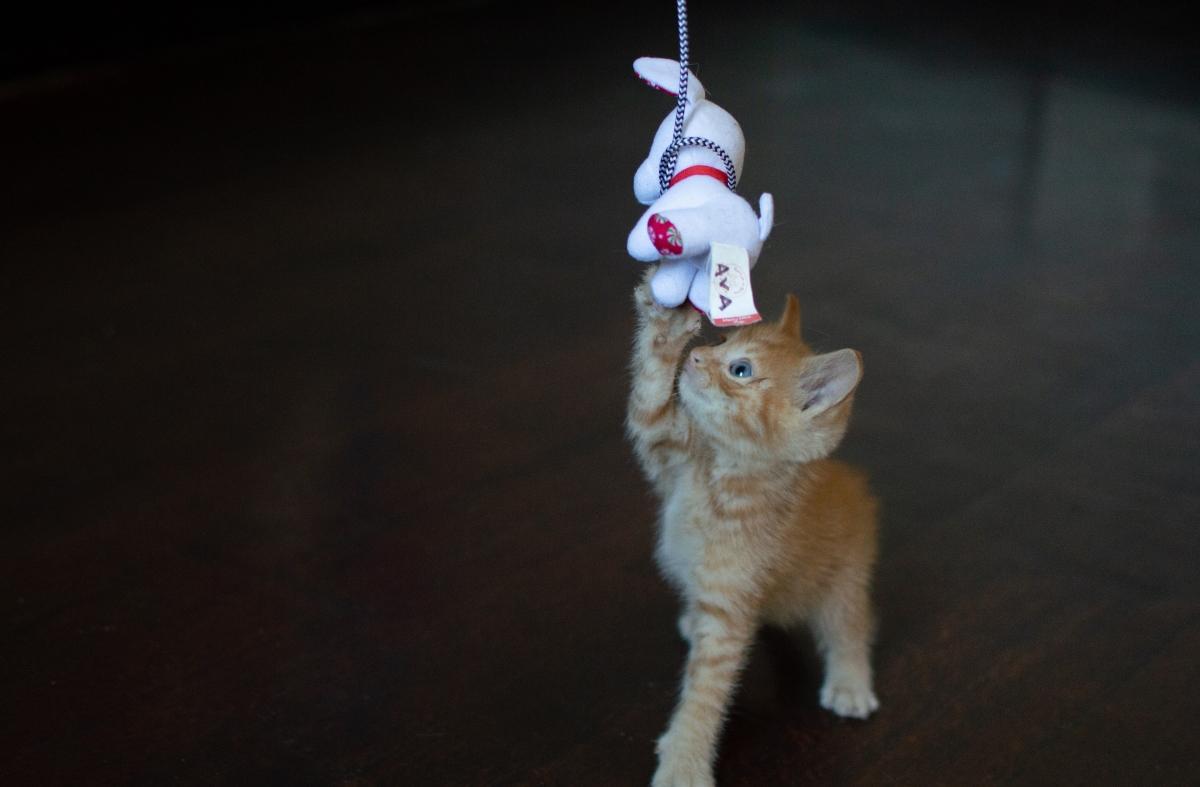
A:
[700,169]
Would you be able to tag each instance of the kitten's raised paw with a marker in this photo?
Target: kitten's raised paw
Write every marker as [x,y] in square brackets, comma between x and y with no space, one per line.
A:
[851,700]
[681,321]
[643,298]
[671,329]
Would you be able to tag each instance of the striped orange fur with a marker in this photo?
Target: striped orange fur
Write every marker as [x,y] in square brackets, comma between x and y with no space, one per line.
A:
[757,525]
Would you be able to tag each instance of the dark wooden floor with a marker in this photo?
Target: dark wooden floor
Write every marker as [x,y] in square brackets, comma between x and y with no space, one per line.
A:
[313,362]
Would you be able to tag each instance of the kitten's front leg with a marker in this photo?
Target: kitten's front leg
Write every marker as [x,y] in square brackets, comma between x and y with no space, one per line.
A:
[652,420]
[721,637]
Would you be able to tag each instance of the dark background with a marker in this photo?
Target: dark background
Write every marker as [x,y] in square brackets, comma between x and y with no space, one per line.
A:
[1152,40]
[313,362]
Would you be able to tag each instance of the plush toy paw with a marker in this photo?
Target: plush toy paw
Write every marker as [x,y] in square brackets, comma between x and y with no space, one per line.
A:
[665,236]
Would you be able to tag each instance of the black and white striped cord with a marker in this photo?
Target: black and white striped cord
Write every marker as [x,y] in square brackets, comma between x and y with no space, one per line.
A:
[670,157]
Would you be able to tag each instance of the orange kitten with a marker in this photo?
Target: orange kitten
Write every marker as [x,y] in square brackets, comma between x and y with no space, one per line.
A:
[757,526]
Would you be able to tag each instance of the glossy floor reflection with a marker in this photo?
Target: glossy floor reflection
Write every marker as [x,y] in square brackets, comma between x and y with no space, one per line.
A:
[315,368]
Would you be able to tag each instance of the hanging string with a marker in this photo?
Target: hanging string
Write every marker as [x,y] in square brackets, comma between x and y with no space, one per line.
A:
[670,157]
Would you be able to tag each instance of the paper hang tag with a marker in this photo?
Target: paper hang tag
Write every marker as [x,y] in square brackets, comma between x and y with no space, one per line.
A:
[730,299]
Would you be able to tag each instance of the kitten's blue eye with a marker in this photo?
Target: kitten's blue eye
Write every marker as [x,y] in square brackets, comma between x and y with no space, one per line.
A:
[741,368]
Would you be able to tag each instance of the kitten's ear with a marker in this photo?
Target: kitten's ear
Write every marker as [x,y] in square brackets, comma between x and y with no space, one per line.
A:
[826,380]
[789,323]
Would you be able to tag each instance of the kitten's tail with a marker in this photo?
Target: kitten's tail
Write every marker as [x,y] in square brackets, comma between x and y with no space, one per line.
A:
[766,217]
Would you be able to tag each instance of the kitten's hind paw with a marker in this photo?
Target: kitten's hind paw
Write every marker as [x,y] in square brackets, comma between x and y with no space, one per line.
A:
[850,700]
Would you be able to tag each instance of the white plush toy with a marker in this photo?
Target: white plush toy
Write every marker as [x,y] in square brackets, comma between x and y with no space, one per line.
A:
[698,208]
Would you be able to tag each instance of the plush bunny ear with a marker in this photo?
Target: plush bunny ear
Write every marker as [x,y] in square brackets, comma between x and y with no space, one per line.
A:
[664,74]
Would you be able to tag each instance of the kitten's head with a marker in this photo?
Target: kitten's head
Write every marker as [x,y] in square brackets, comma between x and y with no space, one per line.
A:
[762,393]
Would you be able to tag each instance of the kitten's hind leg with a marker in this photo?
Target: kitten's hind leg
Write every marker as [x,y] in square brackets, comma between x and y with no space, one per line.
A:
[843,627]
